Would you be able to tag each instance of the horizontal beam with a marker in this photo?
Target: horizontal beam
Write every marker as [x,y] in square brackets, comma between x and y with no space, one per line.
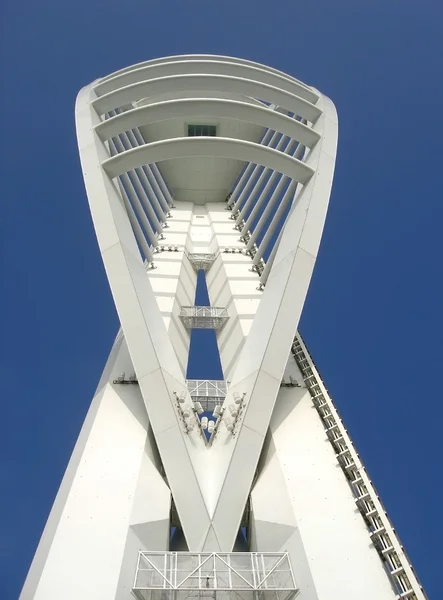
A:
[204,107]
[206,83]
[205,57]
[196,66]
[208,146]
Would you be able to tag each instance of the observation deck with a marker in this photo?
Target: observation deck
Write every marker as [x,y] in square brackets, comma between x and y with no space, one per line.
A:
[203,317]
[220,576]
[209,392]
[201,261]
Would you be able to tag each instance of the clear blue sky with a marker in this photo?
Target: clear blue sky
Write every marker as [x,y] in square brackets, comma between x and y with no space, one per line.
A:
[373,318]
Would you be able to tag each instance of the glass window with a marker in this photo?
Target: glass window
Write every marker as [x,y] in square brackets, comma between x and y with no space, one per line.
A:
[202,130]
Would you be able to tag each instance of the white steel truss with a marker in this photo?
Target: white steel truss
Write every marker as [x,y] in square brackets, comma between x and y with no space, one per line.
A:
[208,392]
[381,532]
[247,205]
[203,317]
[201,261]
[245,575]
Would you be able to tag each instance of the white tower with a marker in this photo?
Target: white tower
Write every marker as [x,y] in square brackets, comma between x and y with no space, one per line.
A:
[244,487]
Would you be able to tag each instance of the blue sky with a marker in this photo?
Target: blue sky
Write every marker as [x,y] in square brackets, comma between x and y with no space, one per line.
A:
[373,318]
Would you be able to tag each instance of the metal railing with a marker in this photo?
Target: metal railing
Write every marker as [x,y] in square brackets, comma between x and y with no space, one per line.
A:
[201,261]
[209,392]
[225,576]
[203,317]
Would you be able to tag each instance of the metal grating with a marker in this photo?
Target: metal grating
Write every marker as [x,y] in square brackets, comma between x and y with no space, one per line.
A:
[201,261]
[203,317]
[221,576]
[209,392]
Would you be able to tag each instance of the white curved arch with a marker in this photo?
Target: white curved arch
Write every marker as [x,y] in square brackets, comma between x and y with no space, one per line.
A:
[116,496]
[210,484]
[281,303]
[207,83]
[208,57]
[207,107]
[216,147]
[198,67]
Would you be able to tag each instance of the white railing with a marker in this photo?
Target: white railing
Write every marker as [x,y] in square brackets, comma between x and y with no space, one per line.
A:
[207,388]
[203,317]
[203,311]
[212,574]
[208,392]
[201,261]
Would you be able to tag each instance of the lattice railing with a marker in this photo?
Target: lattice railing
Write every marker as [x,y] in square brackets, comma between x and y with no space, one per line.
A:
[201,261]
[203,317]
[208,392]
[225,576]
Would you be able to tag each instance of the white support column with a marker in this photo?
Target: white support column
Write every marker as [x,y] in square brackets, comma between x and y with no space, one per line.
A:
[261,199]
[155,172]
[250,199]
[287,198]
[139,190]
[164,195]
[141,239]
[264,276]
[151,195]
[127,185]
[245,192]
[266,141]
[153,184]
[268,210]
[161,192]
[245,176]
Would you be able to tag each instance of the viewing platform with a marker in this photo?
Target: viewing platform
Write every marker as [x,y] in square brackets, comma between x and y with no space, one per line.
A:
[201,261]
[203,317]
[209,392]
[221,576]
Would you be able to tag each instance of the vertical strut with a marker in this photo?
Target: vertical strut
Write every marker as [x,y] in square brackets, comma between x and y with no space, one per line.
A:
[254,174]
[288,196]
[249,170]
[139,189]
[129,190]
[262,177]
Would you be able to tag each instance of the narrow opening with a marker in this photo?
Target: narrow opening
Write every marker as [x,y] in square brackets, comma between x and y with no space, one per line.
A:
[202,130]
[177,542]
[204,358]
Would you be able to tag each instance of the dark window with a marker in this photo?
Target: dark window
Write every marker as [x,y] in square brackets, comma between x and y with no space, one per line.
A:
[205,130]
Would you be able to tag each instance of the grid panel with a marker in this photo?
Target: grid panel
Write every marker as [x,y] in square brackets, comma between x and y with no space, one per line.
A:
[203,317]
[225,576]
